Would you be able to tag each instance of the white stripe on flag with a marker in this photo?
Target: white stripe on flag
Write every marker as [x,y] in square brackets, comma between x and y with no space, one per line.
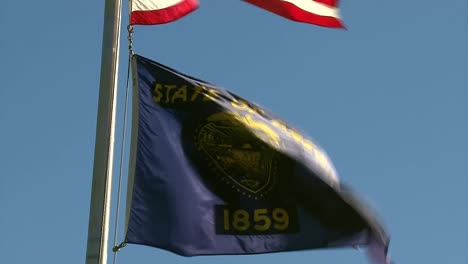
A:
[146,5]
[315,7]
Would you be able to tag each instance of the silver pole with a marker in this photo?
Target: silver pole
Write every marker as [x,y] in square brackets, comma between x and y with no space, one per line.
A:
[98,230]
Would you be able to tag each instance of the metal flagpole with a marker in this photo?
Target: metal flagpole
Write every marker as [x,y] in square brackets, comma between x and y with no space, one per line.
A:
[98,230]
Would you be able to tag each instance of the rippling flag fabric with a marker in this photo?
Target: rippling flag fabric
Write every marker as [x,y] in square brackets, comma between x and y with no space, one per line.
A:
[151,12]
[319,12]
[212,173]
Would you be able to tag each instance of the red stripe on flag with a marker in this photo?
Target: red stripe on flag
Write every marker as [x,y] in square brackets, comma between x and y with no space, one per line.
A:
[333,3]
[162,16]
[290,11]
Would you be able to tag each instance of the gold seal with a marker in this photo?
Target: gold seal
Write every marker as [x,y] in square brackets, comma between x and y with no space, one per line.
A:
[236,154]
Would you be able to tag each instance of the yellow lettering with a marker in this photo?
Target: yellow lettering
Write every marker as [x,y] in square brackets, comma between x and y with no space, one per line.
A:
[180,94]
[210,95]
[281,219]
[241,220]
[227,225]
[296,136]
[169,87]
[257,220]
[260,215]
[273,137]
[308,145]
[157,92]
[198,90]
[278,124]
[241,105]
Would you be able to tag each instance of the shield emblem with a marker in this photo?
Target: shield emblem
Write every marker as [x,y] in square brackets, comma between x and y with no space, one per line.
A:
[236,154]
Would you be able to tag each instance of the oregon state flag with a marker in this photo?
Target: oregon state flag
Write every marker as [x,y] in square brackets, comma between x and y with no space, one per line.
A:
[212,173]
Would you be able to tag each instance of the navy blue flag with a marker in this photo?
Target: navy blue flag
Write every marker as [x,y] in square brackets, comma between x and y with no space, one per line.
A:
[212,173]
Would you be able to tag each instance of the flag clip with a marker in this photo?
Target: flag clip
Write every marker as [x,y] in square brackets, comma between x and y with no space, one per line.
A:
[119,246]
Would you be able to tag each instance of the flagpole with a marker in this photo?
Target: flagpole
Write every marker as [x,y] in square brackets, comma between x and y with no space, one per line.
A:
[98,229]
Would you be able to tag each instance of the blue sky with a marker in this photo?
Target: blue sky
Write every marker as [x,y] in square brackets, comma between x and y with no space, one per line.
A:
[387,99]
